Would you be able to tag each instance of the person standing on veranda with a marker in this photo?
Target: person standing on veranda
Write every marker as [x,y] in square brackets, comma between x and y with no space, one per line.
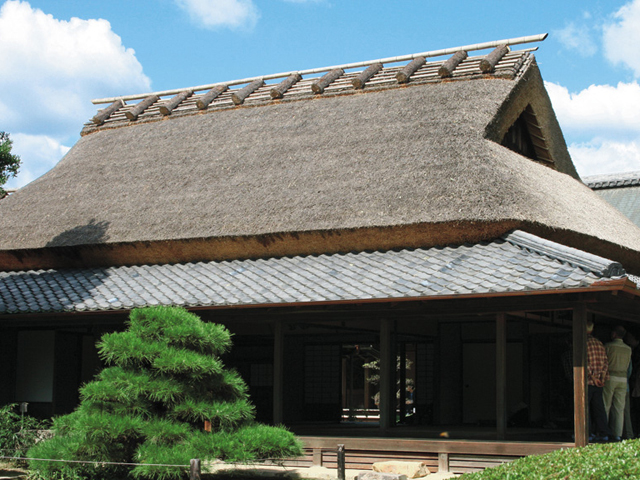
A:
[615,388]
[597,374]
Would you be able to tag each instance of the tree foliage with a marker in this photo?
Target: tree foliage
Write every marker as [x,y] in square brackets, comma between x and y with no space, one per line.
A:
[18,432]
[164,381]
[9,163]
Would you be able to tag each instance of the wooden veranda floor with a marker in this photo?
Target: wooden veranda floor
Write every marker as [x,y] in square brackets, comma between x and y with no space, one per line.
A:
[464,450]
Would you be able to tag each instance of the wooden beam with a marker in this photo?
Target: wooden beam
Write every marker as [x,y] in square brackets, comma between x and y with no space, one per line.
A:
[278,373]
[364,76]
[409,69]
[204,101]
[501,376]
[447,68]
[319,85]
[488,63]
[168,107]
[402,58]
[105,113]
[279,90]
[479,447]
[241,95]
[141,107]
[580,417]
[386,374]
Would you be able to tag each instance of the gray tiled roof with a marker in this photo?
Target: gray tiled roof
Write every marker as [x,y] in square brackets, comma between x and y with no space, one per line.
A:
[622,190]
[516,262]
[612,180]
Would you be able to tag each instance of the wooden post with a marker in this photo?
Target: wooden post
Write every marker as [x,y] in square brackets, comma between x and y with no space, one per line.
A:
[341,462]
[403,381]
[443,462]
[317,457]
[278,373]
[194,469]
[386,375]
[501,376]
[580,417]
[367,391]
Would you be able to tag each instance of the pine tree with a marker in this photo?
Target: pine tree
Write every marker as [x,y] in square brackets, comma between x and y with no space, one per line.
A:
[165,379]
[9,163]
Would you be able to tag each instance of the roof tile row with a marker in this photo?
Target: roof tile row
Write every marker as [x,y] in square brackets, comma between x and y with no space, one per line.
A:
[500,266]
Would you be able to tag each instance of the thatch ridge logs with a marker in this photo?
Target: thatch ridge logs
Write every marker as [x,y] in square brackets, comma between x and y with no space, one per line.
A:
[204,101]
[488,63]
[168,107]
[104,114]
[447,68]
[141,107]
[319,85]
[409,69]
[240,96]
[365,76]
[280,89]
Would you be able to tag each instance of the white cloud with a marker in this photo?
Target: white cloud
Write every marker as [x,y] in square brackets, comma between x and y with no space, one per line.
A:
[622,37]
[603,122]
[578,38]
[221,13]
[598,109]
[51,69]
[603,156]
[38,153]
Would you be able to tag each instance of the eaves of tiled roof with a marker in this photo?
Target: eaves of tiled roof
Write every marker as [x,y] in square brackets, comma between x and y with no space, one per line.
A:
[612,180]
[517,263]
[622,190]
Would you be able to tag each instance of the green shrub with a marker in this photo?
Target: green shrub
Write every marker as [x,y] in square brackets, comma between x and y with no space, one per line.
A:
[164,381]
[612,461]
[18,433]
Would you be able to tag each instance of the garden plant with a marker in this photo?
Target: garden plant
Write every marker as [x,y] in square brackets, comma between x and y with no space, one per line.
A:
[18,432]
[164,387]
[610,461]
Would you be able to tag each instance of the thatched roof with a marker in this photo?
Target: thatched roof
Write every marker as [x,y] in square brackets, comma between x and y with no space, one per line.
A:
[390,166]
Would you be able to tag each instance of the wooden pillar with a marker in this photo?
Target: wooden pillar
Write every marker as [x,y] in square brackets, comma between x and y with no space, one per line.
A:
[386,375]
[402,374]
[501,376]
[443,462]
[278,373]
[580,417]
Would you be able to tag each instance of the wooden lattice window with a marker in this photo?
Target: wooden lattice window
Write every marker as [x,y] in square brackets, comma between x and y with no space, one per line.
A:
[526,138]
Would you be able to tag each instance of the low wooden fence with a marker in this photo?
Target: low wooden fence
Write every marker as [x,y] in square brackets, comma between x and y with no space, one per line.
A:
[440,455]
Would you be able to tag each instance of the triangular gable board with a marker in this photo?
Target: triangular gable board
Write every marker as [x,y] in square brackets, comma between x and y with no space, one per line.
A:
[526,137]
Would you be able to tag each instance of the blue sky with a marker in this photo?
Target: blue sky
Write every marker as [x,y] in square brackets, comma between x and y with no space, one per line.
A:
[58,55]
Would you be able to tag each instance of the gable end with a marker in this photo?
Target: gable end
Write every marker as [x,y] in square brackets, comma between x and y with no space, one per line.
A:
[526,138]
